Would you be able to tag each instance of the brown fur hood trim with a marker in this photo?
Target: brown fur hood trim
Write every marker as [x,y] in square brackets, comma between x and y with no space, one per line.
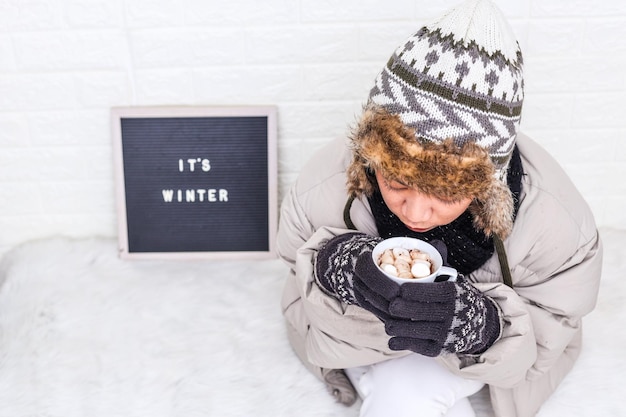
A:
[381,142]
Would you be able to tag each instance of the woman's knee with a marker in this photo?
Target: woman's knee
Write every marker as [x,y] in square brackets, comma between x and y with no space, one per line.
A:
[412,386]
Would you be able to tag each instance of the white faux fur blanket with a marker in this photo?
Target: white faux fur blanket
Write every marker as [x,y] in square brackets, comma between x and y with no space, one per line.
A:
[85,334]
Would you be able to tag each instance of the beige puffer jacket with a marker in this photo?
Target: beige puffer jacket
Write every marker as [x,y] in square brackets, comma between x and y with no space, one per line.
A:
[555,257]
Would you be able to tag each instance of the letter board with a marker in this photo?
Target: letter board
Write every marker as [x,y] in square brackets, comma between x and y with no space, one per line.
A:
[196,182]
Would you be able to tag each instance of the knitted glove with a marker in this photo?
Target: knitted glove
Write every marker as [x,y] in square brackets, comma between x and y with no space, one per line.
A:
[335,262]
[428,318]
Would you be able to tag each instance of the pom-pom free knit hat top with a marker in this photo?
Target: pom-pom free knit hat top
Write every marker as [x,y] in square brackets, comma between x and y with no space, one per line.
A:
[444,113]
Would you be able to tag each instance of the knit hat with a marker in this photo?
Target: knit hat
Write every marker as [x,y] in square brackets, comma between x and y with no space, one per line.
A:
[444,113]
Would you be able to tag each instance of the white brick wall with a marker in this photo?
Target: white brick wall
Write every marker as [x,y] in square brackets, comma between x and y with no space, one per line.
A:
[64,63]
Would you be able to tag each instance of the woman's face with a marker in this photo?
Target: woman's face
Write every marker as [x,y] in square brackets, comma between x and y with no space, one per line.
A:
[419,212]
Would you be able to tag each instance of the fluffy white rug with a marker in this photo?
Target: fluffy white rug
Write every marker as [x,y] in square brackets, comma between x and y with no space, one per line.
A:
[83,333]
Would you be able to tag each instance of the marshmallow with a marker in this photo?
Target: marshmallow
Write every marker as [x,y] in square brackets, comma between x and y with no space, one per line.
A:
[420,268]
[405,263]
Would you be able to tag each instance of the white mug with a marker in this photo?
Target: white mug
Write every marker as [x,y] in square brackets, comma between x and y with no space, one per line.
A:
[412,243]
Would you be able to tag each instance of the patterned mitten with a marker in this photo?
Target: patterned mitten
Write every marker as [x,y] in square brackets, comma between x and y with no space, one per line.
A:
[335,262]
[428,318]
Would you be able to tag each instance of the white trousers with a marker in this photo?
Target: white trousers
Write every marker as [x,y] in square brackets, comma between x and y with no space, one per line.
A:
[412,386]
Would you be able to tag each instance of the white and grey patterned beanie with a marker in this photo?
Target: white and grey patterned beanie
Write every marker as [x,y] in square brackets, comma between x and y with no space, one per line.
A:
[459,77]
[458,81]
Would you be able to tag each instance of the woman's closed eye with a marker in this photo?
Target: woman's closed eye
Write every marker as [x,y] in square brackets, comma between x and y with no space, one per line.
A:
[395,185]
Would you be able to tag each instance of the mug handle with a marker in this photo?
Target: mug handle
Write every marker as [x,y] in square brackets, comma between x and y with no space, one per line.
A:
[446,271]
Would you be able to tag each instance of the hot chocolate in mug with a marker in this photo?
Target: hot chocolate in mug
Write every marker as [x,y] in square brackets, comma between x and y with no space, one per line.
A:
[402,247]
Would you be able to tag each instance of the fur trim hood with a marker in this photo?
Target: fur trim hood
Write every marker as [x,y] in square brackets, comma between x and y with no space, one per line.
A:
[382,142]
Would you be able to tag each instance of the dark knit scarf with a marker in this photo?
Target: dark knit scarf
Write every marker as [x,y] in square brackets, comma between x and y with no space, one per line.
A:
[468,248]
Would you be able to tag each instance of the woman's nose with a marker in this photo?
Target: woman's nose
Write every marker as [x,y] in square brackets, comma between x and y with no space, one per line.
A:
[417,209]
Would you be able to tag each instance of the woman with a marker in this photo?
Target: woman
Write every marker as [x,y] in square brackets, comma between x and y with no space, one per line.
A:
[437,155]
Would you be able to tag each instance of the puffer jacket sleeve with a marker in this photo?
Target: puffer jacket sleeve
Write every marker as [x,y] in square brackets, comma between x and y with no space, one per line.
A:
[330,334]
[556,319]
[538,324]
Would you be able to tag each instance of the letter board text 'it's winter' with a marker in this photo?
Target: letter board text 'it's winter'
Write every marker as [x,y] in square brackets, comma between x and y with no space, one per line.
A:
[196,182]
